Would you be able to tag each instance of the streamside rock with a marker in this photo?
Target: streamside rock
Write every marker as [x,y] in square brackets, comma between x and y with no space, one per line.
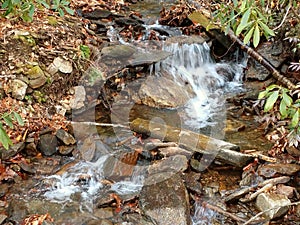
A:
[278,203]
[270,170]
[18,89]
[177,163]
[65,137]
[48,144]
[161,92]
[36,77]
[164,199]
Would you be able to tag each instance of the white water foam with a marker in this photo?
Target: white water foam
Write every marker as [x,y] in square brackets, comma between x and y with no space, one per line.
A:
[192,64]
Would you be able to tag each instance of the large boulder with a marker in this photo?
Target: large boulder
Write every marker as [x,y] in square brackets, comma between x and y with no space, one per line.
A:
[161,92]
[164,199]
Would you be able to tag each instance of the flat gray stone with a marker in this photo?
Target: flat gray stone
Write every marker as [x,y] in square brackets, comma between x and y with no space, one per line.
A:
[278,203]
[65,137]
[164,198]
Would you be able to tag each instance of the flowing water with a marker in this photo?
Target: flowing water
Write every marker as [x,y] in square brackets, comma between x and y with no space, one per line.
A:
[190,65]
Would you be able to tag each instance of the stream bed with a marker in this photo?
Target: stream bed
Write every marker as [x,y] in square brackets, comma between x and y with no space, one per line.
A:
[117,176]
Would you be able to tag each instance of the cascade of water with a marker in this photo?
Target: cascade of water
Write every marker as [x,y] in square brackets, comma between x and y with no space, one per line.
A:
[192,64]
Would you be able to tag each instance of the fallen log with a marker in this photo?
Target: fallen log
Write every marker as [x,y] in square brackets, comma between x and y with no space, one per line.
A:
[212,148]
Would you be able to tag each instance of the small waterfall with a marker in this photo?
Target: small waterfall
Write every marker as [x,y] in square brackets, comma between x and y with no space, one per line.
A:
[192,65]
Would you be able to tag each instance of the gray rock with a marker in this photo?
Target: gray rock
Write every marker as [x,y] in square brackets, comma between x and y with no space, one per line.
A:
[272,52]
[48,144]
[97,14]
[63,65]
[18,89]
[87,150]
[36,77]
[186,40]
[270,170]
[66,150]
[12,151]
[161,92]
[65,137]
[78,99]
[147,58]
[31,149]
[119,52]
[278,204]
[177,163]
[165,199]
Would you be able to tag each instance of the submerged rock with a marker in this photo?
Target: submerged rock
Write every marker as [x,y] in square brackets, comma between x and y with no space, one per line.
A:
[165,200]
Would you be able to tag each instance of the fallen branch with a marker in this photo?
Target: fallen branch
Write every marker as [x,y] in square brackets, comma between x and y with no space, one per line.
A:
[200,18]
[221,211]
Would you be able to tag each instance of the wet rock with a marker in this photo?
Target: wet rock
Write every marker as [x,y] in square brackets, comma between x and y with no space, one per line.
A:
[104,213]
[63,65]
[270,170]
[66,150]
[78,99]
[186,40]
[65,137]
[87,149]
[136,218]
[161,92]
[119,52]
[278,204]
[48,144]
[128,22]
[272,52]
[165,200]
[97,14]
[12,151]
[27,168]
[18,89]
[119,167]
[141,58]
[191,180]
[177,163]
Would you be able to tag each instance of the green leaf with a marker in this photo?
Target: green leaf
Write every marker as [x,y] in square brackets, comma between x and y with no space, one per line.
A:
[287,99]
[18,118]
[61,12]
[262,94]
[256,36]
[244,22]
[235,3]
[248,36]
[8,121]
[31,11]
[68,10]
[295,119]
[282,109]
[5,4]
[266,29]
[271,101]
[272,87]
[4,138]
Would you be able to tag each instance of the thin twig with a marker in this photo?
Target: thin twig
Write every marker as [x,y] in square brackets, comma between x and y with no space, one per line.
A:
[221,211]
[284,18]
